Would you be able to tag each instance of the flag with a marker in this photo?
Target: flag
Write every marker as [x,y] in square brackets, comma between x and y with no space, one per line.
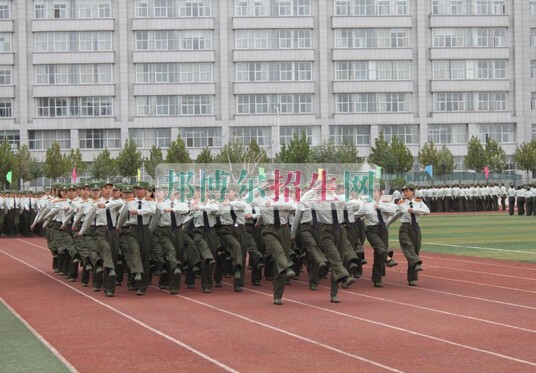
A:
[429,170]
[139,174]
[486,171]
[8,176]
[73,175]
[378,172]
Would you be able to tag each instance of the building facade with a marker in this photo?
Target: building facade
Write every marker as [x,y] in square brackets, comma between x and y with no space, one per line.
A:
[92,73]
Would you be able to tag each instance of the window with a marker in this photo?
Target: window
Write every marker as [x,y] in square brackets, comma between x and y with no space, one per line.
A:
[272,8]
[468,7]
[261,135]
[468,37]
[174,73]
[371,7]
[13,137]
[49,107]
[372,70]
[4,9]
[533,101]
[275,104]
[287,133]
[174,40]
[273,71]
[273,39]
[533,69]
[355,135]
[174,105]
[73,41]
[73,74]
[6,108]
[533,37]
[469,101]
[503,133]
[100,139]
[372,38]
[172,8]
[202,137]
[469,69]
[532,7]
[347,103]
[42,140]
[146,138]
[5,42]
[447,133]
[5,75]
[71,9]
[408,133]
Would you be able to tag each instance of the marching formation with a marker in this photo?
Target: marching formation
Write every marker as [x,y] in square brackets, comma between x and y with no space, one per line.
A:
[113,232]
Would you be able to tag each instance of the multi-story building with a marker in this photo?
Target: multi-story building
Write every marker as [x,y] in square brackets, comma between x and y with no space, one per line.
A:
[92,73]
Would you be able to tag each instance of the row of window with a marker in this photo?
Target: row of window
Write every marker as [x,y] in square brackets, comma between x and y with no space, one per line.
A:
[176,40]
[266,72]
[359,135]
[72,9]
[298,103]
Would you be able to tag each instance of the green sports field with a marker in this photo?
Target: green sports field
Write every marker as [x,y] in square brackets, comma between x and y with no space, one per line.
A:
[494,235]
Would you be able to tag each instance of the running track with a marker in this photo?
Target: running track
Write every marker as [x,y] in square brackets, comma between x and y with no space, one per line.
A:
[467,314]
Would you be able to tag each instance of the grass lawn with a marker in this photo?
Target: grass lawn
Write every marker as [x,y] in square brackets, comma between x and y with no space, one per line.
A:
[495,235]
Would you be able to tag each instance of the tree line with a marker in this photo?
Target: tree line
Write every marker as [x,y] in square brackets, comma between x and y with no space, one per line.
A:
[395,158]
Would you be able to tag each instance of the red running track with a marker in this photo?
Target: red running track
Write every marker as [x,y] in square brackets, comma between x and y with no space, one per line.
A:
[468,314]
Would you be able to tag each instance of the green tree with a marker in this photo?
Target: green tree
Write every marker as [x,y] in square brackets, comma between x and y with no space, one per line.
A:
[129,159]
[476,155]
[297,151]
[177,152]
[403,159]
[331,153]
[428,155]
[525,157]
[445,162]
[495,155]
[380,153]
[104,166]
[35,169]
[7,161]
[204,157]
[75,159]
[55,165]
[255,153]
[232,152]
[23,159]
[155,158]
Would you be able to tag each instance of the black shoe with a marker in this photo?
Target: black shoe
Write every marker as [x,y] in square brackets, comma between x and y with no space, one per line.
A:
[260,265]
[177,271]
[335,299]
[348,280]
[412,283]
[85,284]
[313,286]
[98,269]
[174,291]
[111,273]
[256,283]
[417,267]
[352,268]
[140,292]
[238,289]
[137,277]
[207,290]
[278,302]
[218,285]
[109,294]
[378,284]
[391,263]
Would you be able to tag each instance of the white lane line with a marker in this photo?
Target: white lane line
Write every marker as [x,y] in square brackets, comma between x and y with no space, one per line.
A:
[431,309]
[40,337]
[437,339]
[465,296]
[480,263]
[134,320]
[482,273]
[471,282]
[271,327]
[480,248]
